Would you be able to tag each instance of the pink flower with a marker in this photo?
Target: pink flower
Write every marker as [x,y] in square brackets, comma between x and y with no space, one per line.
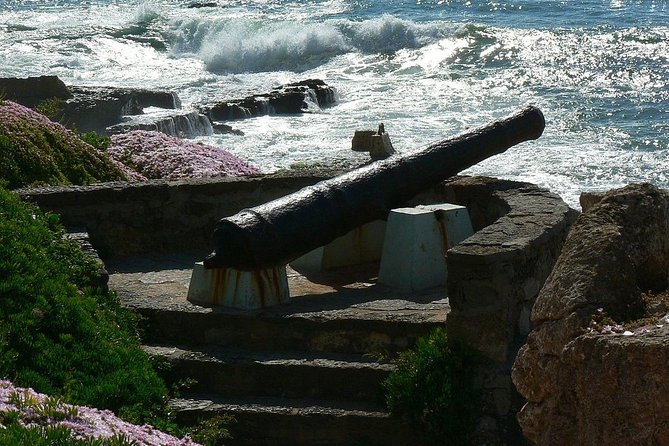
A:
[156,155]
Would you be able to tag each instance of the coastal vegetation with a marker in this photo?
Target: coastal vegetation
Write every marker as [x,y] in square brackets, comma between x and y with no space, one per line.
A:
[63,334]
[36,151]
[432,387]
[156,155]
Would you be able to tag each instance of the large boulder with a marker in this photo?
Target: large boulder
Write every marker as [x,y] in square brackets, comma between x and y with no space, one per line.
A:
[291,98]
[31,91]
[96,108]
[594,370]
[85,108]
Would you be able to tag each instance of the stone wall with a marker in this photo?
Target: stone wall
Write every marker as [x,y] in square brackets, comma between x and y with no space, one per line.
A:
[594,370]
[161,216]
[494,278]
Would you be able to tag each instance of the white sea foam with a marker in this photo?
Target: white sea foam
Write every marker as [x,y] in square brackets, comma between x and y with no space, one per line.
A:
[243,45]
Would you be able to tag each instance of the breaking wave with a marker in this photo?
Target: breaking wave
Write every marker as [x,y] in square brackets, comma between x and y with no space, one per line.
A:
[237,46]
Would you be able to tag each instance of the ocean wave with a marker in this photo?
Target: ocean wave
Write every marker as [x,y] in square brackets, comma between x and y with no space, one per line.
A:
[242,45]
[146,13]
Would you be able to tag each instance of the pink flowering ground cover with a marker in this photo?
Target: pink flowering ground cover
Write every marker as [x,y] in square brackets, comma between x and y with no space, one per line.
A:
[35,150]
[156,155]
[31,409]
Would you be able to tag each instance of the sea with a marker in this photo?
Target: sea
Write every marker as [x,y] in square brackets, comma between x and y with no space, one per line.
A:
[427,69]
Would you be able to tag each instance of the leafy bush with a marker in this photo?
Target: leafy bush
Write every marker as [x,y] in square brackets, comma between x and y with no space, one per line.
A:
[35,150]
[96,141]
[432,387]
[52,108]
[59,334]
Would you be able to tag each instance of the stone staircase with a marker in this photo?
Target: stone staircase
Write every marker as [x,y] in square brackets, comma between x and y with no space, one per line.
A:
[307,373]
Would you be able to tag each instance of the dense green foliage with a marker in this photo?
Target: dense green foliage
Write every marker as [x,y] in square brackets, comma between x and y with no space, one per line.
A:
[52,108]
[96,141]
[59,334]
[34,151]
[432,387]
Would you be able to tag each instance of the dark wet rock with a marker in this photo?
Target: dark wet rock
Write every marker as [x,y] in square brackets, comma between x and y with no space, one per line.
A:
[33,90]
[589,380]
[203,5]
[186,125]
[95,108]
[225,129]
[294,98]
[86,108]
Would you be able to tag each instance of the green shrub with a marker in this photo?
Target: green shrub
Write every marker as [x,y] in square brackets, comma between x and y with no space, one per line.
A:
[52,108]
[212,431]
[59,334]
[432,387]
[98,142]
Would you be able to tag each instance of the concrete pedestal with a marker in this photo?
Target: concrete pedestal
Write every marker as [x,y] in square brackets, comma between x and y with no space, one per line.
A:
[415,245]
[247,290]
[362,245]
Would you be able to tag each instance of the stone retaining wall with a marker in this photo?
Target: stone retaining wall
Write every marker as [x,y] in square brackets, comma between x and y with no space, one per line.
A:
[494,278]
[161,216]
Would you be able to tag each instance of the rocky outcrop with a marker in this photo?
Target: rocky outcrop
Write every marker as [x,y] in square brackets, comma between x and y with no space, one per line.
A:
[33,90]
[186,125]
[594,370]
[298,97]
[96,108]
[86,108]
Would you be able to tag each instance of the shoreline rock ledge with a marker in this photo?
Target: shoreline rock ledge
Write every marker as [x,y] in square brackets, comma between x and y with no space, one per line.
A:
[294,98]
[86,108]
[594,370]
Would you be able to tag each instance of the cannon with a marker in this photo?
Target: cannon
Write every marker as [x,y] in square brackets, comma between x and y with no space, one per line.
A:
[281,230]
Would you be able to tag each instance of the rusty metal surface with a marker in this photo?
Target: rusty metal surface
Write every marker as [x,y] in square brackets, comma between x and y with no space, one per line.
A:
[279,231]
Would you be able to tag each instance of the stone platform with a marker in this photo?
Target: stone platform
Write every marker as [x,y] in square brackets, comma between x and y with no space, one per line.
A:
[305,373]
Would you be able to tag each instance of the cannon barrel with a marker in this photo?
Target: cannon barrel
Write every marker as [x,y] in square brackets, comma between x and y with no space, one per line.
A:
[283,229]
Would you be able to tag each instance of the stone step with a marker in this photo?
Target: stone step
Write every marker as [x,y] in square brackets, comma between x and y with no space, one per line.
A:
[279,422]
[384,326]
[289,375]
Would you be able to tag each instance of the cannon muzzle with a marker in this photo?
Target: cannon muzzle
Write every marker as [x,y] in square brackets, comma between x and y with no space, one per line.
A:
[281,230]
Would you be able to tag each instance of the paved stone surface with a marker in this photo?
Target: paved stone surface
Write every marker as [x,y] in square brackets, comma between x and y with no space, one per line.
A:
[161,282]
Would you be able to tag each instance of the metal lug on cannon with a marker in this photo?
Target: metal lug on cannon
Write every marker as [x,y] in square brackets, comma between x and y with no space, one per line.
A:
[416,242]
[246,290]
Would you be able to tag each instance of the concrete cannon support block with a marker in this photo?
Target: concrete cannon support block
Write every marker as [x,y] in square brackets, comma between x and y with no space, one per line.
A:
[415,245]
[361,245]
[246,290]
